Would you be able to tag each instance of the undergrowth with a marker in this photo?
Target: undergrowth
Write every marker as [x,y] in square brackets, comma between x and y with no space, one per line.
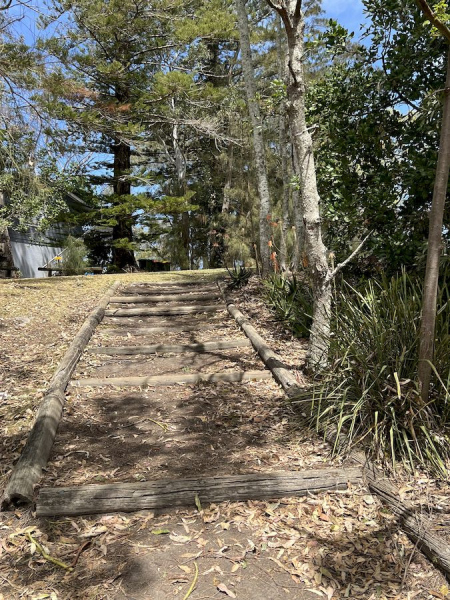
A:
[290,299]
[239,275]
[370,391]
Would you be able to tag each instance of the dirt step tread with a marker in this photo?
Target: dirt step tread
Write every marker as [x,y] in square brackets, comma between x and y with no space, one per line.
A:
[171,348]
[172,379]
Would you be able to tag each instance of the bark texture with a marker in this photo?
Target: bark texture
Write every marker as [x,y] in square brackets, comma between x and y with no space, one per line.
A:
[426,350]
[284,152]
[258,140]
[305,171]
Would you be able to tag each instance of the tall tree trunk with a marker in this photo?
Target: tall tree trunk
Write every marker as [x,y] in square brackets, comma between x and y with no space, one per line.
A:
[293,19]
[123,256]
[258,141]
[283,134]
[123,230]
[6,257]
[427,331]
[284,154]
[228,181]
[180,168]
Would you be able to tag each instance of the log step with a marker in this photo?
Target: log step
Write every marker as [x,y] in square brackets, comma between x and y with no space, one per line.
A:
[161,380]
[143,298]
[174,348]
[166,493]
[175,310]
[149,330]
[153,290]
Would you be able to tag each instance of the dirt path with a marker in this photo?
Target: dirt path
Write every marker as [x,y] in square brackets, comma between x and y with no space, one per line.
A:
[340,545]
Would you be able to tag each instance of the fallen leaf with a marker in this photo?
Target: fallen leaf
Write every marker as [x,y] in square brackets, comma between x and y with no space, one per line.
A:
[185,568]
[223,588]
[160,531]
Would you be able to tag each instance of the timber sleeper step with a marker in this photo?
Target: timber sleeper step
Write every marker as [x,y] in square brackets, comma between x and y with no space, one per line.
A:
[172,379]
[166,493]
[143,298]
[175,290]
[178,310]
[171,348]
[131,331]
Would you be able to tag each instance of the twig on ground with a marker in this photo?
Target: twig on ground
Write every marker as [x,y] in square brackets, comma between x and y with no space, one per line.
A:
[193,584]
[47,556]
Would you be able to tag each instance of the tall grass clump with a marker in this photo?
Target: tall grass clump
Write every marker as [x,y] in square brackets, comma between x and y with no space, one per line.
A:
[74,256]
[370,393]
[291,301]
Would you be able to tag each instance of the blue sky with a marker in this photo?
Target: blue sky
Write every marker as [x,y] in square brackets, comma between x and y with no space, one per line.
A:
[349,13]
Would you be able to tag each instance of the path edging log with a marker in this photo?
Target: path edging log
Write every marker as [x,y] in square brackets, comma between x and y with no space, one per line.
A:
[416,526]
[28,469]
[166,493]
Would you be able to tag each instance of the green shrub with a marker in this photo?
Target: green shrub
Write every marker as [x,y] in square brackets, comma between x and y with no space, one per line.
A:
[239,276]
[371,391]
[74,256]
[291,301]
[113,269]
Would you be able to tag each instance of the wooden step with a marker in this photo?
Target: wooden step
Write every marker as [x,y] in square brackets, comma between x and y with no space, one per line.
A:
[143,298]
[174,310]
[171,348]
[149,330]
[172,379]
[166,493]
[153,290]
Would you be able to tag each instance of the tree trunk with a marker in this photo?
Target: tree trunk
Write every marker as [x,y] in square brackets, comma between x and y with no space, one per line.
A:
[123,230]
[180,167]
[226,203]
[284,154]
[305,172]
[434,247]
[258,141]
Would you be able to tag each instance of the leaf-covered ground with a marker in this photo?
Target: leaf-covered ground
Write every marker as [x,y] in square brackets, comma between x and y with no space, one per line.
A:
[339,545]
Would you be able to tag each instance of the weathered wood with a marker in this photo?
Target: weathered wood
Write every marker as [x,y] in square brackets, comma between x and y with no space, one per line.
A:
[148,298]
[174,348]
[169,379]
[175,310]
[411,519]
[165,493]
[418,528]
[163,290]
[149,330]
[272,361]
[35,454]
